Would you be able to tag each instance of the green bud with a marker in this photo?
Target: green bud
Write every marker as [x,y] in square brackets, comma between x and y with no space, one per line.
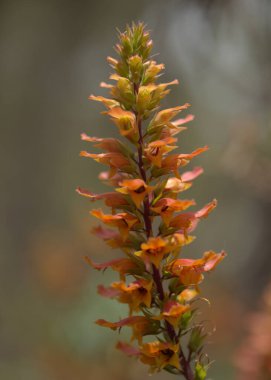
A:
[152,70]
[186,318]
[125,91]
[196,339]
[143,99]
[136,68]
[200,372]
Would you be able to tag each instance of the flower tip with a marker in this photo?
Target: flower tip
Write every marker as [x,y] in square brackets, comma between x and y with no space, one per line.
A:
[223,254]
[105,85]
[83,153]
[205,148]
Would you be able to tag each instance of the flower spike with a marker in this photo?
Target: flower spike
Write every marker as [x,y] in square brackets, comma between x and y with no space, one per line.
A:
[147,220]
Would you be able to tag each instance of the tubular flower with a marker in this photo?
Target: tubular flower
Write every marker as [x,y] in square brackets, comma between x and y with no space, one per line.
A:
[159,355]
[173,311]
[153,251]
[136,188]
[134,294]
[124,266]
[191,271]
[148,221]
[125,121]
[166,207]
[114,160]
[111,199]
[123,221]
[156,149]
[141,326]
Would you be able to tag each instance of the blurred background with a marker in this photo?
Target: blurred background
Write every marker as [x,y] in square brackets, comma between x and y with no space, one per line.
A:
[53,56]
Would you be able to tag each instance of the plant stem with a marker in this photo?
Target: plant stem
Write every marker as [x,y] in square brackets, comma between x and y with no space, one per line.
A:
[185,364]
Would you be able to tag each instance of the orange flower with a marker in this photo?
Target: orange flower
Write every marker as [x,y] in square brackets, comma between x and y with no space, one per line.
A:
[172,128]
[187,295]
[159,355]
[152,71]
[124,266]
[123,221]
[150,95]
[109,103]
[140,325]
[112,180]
[184,221]
[125,121]
[176,185]
[111,199]
[112,238]
[173,311]
[174,161]
[136,188]
[156,149]
[111,145]
[153,251]
[191,271]
[114,160]
[135,294]
[177,240]
[165,207]
[164,116]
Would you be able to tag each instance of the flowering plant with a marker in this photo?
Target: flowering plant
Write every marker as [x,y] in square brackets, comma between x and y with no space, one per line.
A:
[150,223]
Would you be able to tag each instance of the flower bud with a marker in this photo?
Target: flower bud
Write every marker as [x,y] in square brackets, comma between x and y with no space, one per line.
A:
[143,99]
[136,67]
[196,339]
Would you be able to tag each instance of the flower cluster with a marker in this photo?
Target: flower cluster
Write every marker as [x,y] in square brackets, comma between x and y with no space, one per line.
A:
[150,224]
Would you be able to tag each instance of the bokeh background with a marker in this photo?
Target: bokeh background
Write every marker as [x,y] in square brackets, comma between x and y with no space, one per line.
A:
[52,57]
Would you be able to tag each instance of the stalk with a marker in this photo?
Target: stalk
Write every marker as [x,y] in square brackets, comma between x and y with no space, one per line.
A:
[185,364]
